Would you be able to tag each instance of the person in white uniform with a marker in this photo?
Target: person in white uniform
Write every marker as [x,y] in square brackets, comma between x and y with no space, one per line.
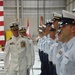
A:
[37,38]
[57,47]
[52,33]
[59,52]
[41,48]
[56,18]
[17,53]
[68,31]
[22,31]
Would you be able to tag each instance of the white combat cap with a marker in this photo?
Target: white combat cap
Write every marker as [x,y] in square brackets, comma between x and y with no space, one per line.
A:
[40,26]
[68,18]
[40,30]
[44,26]
[67,14]
[52,28]
[22,29]
[14,25]
[56,14]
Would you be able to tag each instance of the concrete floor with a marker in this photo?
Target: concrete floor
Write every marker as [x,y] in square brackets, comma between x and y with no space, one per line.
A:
[37,64]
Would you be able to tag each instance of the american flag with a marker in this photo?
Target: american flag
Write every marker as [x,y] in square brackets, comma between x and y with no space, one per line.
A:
[2,38]
[41,20]
[27,28]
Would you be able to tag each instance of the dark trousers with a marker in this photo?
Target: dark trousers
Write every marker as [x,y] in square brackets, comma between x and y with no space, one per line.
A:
[54,70]
[28,72]
[50,68]
[46,64]
[41,60]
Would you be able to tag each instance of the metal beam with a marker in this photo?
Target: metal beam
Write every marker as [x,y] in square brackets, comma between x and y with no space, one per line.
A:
[37,13]
[18,10]
[70,2]
[22,12]
[44,11]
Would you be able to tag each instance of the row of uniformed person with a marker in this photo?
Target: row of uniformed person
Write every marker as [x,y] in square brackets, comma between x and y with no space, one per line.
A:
[19,52]
[56,45]
[44,44]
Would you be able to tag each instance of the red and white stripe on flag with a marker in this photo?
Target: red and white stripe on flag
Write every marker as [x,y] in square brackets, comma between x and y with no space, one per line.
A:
[27,28]
[2,38]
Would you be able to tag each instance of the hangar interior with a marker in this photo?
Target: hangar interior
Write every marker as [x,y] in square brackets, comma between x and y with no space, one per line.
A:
[32,10]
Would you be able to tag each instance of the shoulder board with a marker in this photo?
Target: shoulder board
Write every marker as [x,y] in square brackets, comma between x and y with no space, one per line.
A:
[9,38]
